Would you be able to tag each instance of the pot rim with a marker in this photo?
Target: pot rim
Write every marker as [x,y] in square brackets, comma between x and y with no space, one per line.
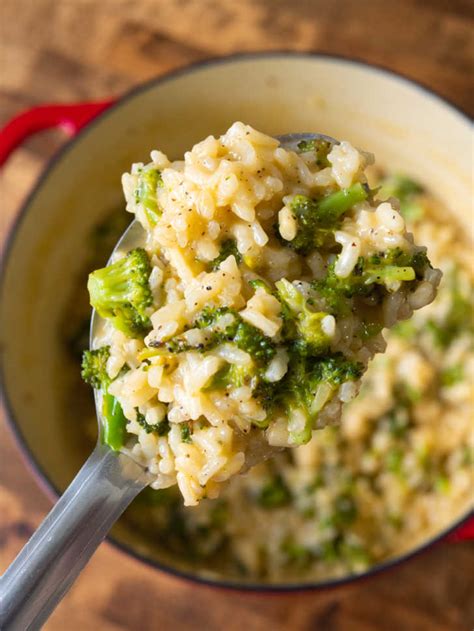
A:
[42,477]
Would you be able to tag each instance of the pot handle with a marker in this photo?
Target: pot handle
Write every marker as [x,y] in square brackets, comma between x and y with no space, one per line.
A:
[465,532]
[70,118]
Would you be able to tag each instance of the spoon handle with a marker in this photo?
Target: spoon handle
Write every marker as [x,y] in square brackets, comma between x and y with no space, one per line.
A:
[49,563]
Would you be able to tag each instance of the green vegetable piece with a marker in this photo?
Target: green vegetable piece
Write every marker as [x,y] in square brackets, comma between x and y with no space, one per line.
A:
[268,395]
[388,274]
[452,375]
[442,484]
[232,376]
[300,425]
[258,283]
[317,220]
[219,514]
[345,511]
[162,428]
[332,207]
[186,433]
[329,552]
[355,554]
[228,248]
[274,494]
[321,149]
[94,367]
[336,369]
[407,191]
[405,329]
[296,554]
[307,386]
[412,210]
[400,186]
[381,269]
[398,421]
[251,340]
[209,316]
[113,423]
[94,373]
[145,193]
[244,335]
[121,293]
[459,318]
[308,323]
[394,460]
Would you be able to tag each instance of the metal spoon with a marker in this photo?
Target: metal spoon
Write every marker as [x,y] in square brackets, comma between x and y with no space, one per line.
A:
[107,483]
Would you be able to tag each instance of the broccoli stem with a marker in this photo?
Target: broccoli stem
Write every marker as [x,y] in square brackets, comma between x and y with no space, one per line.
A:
[330,208]
[145,193]
[387,274]
[317,219]
[113,423]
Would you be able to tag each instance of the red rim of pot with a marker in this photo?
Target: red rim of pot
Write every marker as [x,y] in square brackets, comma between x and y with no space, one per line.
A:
[102,111]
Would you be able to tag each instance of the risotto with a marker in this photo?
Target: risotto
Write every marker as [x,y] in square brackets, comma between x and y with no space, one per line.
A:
[250,315]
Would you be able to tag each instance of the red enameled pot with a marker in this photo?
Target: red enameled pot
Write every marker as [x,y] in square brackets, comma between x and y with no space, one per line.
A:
[404,124]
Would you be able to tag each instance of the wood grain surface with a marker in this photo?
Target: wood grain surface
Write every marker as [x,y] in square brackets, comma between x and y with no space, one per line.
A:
[71,50]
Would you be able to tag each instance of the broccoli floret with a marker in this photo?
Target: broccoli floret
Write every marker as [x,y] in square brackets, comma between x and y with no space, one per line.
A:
[406,191]
[210,315]
[381,269]
[176,345]
[394,460]
[244,335]
[310,234]
[215,331]
[258,283]
[251,340]
[296,554]
[94,367]
[274,494]
[94,372]
[336,369]
[228,248]
[308,385]
[307,323]
[145,193]
[186,433]
[345,512]
[161,428]
[268,394]
[233,376]
[121,293]
[452,375]
[396,257]
[458,319]
[317,219]
[386,268]
[320,147]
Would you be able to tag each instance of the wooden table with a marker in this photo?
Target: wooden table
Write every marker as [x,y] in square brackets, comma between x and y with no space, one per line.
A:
[72,50]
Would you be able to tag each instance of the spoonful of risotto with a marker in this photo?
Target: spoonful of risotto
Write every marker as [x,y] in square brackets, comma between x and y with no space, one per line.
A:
[236,316]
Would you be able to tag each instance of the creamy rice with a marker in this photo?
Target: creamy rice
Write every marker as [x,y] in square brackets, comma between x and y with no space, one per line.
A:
[396,472]
[279,284]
